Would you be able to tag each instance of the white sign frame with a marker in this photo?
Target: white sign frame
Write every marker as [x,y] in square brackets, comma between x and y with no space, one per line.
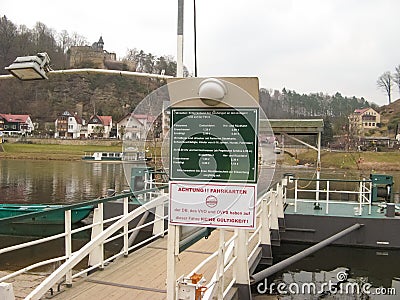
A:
[216,204]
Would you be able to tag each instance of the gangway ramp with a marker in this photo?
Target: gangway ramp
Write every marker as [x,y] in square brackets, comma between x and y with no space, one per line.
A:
[142,275]
[226,258]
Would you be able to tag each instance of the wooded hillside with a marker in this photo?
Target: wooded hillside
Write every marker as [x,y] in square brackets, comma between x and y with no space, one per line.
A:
[116,95]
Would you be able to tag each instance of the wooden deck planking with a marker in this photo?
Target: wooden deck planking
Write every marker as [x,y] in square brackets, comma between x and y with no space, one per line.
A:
[126,278]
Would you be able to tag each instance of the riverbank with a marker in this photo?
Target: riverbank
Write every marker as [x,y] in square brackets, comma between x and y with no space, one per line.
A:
[52,151]
[365,161]
[370,161]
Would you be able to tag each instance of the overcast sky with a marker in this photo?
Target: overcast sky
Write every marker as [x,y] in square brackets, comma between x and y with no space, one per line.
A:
[308,46]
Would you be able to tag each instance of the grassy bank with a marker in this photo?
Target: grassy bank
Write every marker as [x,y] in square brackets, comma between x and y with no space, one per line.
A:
[50,151]
[389,161]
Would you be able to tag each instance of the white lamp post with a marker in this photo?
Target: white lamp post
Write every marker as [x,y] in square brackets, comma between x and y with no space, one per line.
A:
[38,66]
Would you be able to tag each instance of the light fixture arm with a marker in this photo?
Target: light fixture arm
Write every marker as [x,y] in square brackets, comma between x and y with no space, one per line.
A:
[45,65]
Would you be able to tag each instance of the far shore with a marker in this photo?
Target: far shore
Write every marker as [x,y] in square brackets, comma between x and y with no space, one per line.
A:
[74,150]
[52,151]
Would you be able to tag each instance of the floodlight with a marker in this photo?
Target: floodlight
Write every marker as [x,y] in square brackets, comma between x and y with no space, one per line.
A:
[30,67]
[212,91]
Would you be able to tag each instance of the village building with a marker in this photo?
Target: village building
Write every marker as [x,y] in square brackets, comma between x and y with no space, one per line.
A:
[364,119]
[129,127]
[99,126]
[69,125]
[16,124]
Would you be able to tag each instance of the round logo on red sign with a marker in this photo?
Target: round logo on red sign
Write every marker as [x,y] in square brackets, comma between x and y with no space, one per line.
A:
[211,201]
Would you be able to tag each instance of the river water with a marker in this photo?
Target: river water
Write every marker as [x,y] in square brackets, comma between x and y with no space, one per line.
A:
[31,181]
[71,182]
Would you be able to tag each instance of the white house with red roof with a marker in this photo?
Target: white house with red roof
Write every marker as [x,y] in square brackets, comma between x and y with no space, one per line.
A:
[16,124]
[68,125]
[99,126]
[130,127]
[364,119]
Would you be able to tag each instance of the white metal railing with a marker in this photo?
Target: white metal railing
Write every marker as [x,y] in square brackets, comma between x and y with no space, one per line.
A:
[100,236]
[96,243]
[362,191]
[234,255]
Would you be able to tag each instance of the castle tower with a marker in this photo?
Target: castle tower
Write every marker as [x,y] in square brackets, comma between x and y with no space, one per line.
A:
[100,43]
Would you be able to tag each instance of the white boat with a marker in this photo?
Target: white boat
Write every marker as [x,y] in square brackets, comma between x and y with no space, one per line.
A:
[103,156]
[116,156]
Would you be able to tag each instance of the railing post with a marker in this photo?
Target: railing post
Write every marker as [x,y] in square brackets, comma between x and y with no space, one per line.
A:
[221,264]
[241,266]
[274,219]
[146,182]
[158,227]
[284,188]
[96,256]
[6,291]
[172,256]
[295,195]
[265,234]
[280,212]
[327,197]
[126,227]
[68,245]
[360,198]
[370,198]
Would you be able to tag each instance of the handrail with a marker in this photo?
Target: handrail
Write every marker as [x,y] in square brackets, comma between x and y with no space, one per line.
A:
[268,201]
[79,205]
[64,208]
[31,267]
[363,192]
[50,281]
[330,179]
[249,243]
[68,232]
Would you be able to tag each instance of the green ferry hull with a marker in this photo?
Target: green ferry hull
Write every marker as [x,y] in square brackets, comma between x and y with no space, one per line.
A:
[43,225]
[53,217]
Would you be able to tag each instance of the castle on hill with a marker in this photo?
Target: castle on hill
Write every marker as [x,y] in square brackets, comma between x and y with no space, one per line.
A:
[95,56]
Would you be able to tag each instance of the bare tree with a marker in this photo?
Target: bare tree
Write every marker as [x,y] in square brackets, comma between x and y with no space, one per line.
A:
[64,41]
[396,77]
[8,33]
[78,40]
[385,83]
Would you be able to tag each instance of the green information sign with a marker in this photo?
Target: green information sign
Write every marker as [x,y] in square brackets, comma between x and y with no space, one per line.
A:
[214,144]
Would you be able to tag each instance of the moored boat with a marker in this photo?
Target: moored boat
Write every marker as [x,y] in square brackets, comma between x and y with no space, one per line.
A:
[52,217]
[316,209]
[103,156]
[130,156]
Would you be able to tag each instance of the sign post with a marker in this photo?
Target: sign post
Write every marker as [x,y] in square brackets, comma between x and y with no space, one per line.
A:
[213,163]
[214,160]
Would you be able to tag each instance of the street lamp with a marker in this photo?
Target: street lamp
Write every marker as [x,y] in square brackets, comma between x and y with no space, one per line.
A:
[38,66]
[30,67]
